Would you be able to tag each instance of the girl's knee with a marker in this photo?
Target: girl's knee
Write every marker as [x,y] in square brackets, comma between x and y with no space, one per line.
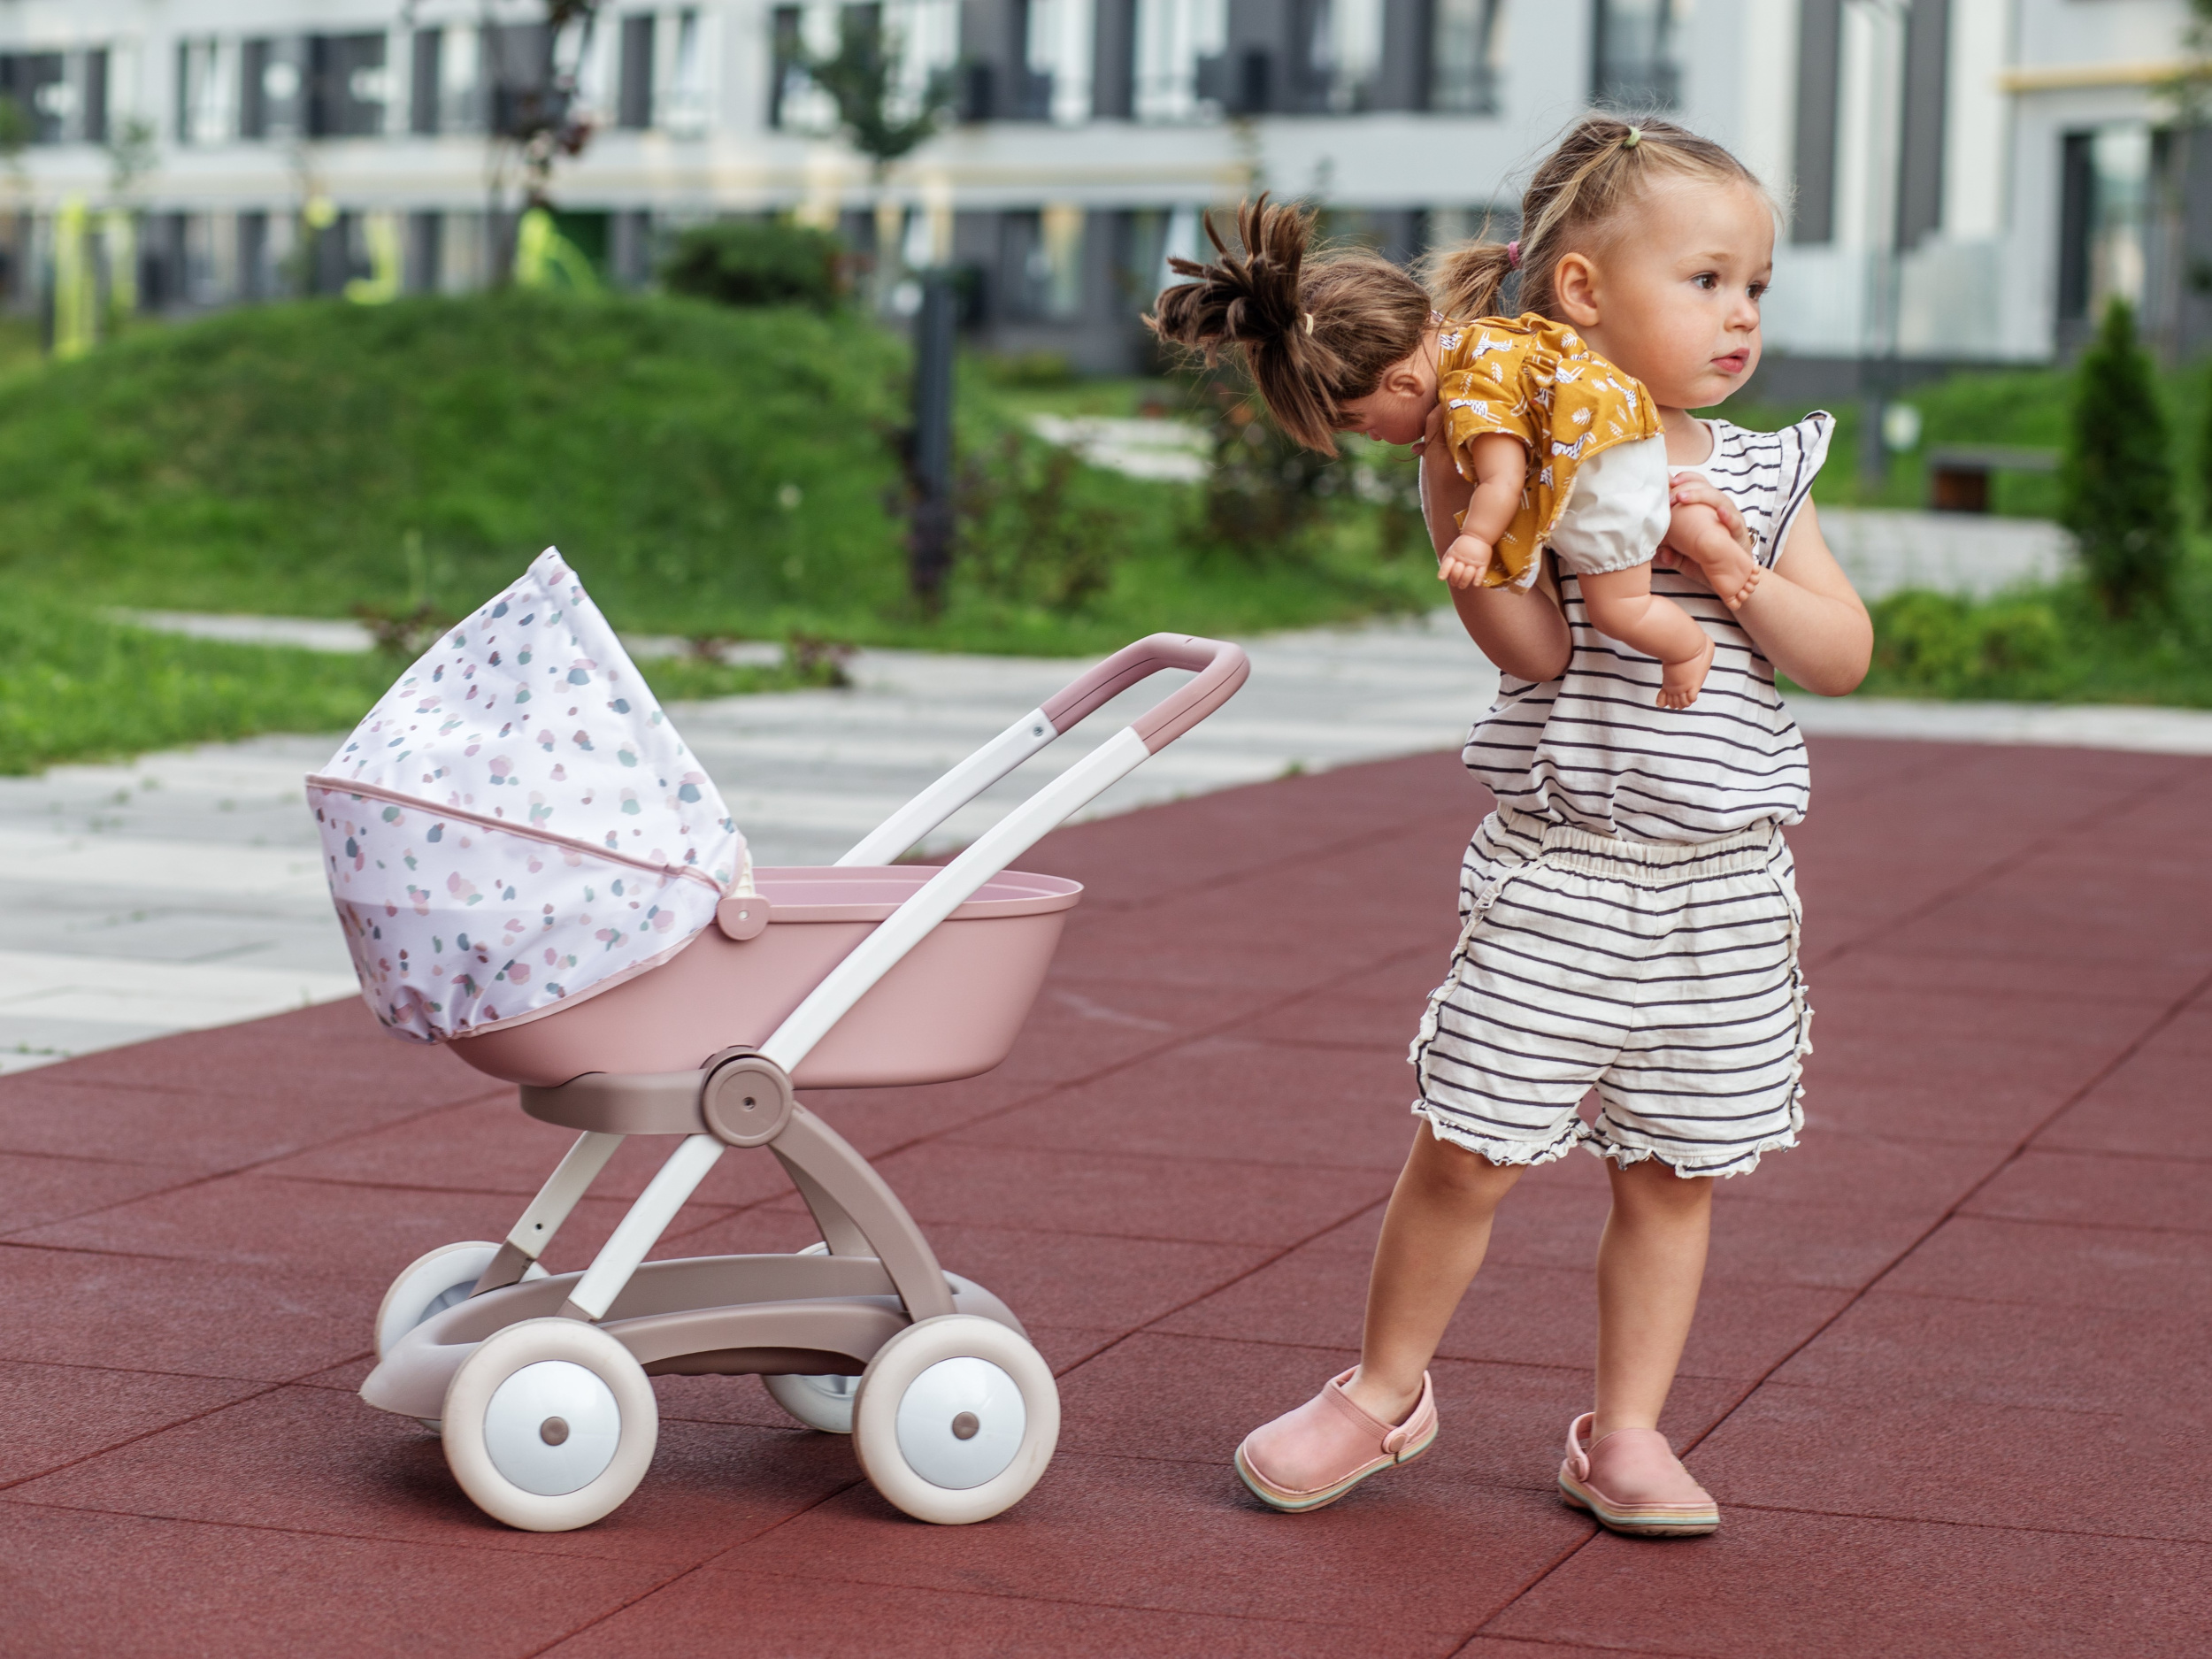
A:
[1450,1167]
[1655,1187]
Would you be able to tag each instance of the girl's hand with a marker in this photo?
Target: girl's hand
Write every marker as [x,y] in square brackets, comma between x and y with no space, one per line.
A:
[1707,531]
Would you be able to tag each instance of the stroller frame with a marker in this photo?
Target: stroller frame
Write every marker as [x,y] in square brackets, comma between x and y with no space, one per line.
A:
[539,1383]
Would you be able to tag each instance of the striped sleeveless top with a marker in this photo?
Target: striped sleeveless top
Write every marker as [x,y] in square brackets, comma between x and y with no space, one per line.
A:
[1592,749]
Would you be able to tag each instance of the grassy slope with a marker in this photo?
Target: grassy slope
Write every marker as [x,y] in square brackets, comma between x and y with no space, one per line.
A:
[75,688]
[707,472]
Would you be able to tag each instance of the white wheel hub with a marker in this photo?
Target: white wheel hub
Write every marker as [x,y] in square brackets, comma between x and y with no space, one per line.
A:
[961,1423]
[552,1428]
[549,1424]
[955,1419]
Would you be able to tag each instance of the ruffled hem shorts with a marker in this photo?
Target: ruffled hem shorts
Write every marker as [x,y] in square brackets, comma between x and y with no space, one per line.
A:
[1664,976]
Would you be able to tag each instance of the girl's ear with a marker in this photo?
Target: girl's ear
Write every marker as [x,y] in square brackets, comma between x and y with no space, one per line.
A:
[1574,287]
[1405,380]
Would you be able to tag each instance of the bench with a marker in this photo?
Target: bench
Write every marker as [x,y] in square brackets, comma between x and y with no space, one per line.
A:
[1959,475]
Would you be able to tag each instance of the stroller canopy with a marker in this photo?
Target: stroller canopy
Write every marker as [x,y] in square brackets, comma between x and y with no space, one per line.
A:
[516,824]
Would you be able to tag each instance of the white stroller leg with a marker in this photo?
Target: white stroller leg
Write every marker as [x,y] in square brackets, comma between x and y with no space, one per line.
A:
[641,1229]
[527,1239]
[969,779]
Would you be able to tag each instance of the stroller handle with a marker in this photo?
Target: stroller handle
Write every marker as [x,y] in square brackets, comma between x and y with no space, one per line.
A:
[1220,667]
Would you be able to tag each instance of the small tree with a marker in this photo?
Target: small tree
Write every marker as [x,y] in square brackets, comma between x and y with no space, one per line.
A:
[874,112]
[2116,484]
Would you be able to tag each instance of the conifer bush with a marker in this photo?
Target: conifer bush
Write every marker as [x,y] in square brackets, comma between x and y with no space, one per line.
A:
[2117,483]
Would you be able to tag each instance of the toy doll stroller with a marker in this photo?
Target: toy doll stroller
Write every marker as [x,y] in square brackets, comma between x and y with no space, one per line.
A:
[531,869]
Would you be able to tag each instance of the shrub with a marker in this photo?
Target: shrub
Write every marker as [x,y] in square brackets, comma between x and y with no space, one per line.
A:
[1951,647]
[757,262]
[1026,534]
[2117,479]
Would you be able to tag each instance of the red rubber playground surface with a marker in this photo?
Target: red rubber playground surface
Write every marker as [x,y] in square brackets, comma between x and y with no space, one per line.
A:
[1946,1382]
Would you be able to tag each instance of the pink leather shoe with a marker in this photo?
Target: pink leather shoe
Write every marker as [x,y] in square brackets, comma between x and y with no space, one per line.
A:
[1633,1482]
[1314,1456]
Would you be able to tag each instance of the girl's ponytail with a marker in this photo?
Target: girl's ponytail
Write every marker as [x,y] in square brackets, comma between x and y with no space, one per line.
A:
[1467,281]
[1316,328]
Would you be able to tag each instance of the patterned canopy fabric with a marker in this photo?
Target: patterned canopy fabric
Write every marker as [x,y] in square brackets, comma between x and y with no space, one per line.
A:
[516,824]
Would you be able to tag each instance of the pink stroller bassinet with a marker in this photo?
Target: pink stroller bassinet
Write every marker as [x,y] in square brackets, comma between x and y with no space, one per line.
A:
[532,870]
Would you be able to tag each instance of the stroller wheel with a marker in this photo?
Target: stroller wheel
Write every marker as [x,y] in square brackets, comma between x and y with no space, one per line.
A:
[822,1402]
[955,1419]
[431,1283]
[549,1424]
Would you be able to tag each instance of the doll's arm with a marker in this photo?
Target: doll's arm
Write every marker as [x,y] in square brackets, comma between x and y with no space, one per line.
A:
[1622,607]
[1499,464]
[1524,633]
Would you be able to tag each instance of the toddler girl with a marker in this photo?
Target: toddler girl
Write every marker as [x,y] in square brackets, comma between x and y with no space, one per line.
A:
[1628,919]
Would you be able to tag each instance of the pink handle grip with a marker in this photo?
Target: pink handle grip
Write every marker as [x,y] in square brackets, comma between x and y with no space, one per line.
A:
[1220,667]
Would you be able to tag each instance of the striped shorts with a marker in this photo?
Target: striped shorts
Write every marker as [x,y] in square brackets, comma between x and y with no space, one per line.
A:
[1664,976]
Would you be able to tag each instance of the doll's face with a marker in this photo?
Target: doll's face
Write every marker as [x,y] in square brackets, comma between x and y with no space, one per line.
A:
[1397,411]
[1673,295]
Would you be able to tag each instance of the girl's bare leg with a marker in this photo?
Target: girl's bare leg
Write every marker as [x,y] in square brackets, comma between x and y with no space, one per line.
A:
[1650,1264]
[1433,1237]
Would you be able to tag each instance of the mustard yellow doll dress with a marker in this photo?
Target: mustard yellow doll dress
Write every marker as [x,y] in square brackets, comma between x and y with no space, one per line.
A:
[1535,380]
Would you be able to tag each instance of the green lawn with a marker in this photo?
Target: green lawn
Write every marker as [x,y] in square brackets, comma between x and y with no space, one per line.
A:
[710,473]
[75,688]
[707,470]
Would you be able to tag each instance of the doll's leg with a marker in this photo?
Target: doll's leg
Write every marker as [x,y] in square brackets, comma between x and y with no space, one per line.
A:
[1433,1238]
[1622,607]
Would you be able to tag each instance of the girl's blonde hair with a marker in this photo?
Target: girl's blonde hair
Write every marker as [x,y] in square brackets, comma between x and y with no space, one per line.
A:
[1317,326]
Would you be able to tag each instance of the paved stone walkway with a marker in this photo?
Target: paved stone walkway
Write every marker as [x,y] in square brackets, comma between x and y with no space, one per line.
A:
[1946,1380]
[183,890]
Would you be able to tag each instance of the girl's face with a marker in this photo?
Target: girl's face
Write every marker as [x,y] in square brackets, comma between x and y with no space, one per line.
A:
[1397,411]
[1674,297]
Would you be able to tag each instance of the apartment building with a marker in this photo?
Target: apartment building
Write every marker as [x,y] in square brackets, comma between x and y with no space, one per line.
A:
[1963,179]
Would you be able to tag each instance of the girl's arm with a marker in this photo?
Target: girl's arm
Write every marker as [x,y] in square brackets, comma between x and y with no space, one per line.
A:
[1804,614]
[1523,634]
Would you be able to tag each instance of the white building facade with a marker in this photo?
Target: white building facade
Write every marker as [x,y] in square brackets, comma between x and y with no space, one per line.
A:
[1965,180]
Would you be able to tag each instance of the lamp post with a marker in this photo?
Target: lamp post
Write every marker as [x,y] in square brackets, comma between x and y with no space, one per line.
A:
[929,544]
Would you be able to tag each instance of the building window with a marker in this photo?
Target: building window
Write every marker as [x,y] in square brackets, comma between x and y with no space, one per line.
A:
[1341,49]
[1056,39]
[1466,55]
[1044,263]
[422,87]
[2105,219]
[684,111]
[634,95]
[1637,66]
[271,88]
[204,95]
[349,85]
[1181,50]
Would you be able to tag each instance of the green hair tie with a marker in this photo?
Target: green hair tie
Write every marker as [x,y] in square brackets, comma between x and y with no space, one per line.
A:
[1634,132]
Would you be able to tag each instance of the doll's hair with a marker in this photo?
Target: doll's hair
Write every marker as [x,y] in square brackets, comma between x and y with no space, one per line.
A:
[1601,169]
[1318,325]
[1315,325]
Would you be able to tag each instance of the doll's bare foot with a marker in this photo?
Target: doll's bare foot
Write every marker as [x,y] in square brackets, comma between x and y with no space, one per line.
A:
[1733,578]
[1680,682]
